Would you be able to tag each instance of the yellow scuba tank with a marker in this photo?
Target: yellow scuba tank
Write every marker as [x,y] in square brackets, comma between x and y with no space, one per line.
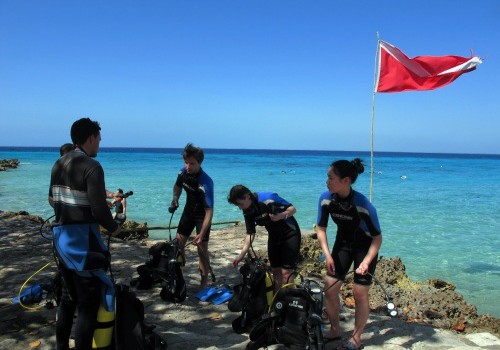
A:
[269,288]
[103,333]
[180,259]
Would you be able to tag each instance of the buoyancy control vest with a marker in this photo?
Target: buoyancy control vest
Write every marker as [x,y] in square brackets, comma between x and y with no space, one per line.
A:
[253,296]
[164,266]
[294,319]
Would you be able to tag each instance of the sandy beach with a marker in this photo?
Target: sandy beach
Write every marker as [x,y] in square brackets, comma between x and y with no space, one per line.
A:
[191,324]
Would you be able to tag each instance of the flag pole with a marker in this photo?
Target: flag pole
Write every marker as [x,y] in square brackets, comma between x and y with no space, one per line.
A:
[372,167]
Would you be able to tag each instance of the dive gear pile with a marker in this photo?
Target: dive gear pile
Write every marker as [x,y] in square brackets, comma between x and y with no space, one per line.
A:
[164,266]
[253,296]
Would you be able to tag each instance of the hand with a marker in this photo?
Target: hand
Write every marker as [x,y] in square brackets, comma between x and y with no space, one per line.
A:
[110,205]
[362,268]
[236,262]
[330,265]
[198,239]
[174,203]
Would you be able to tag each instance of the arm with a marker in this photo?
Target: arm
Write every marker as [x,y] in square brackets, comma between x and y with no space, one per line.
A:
[246,246]
[284,215]
[207,221]
[124,204]
[323,241]
[372,253]
[176,194]
[98,204]
[113,195]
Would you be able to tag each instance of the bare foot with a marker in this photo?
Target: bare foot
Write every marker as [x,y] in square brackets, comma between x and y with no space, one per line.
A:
[203,282]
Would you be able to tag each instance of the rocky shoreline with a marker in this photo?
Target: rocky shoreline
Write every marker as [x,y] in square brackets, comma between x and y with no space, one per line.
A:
[434,302]
[432,313]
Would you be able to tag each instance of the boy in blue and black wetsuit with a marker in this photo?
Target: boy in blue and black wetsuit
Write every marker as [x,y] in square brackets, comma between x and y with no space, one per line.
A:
[199,209]
[268,209]
[78,195]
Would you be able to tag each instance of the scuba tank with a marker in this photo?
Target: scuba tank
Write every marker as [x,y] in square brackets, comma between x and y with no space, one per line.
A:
[103,333]
[269,288]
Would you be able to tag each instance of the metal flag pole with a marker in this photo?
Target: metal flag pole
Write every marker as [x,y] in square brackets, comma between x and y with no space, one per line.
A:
[375,81]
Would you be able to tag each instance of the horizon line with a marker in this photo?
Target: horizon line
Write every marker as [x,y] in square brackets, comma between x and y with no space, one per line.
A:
[266,149]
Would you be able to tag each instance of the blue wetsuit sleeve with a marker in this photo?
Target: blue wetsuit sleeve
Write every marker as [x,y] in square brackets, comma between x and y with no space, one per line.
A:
[207,185]
[323,214]
[275,197]
[368,214]
[271,197]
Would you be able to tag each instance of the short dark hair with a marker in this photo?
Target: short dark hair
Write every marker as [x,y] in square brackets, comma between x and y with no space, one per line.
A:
[66,148]
[192,151]
[238,192]
[82,129]
[346,168]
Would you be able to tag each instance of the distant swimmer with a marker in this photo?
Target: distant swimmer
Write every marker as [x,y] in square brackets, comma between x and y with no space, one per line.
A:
[403,177]
[379,172]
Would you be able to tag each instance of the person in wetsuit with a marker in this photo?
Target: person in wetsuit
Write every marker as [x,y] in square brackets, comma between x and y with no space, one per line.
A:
[268,209]
[199,208]
[120,205]
[78,196]
[66,148]
[358,241]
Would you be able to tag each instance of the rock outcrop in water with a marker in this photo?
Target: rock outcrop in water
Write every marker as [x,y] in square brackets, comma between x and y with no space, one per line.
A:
[132,230]
[8,164]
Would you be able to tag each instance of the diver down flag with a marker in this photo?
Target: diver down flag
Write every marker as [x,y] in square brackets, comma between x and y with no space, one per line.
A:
[397,72]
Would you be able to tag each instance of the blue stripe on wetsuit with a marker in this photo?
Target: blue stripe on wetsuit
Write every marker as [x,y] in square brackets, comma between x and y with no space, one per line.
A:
[270,197]
[72,242]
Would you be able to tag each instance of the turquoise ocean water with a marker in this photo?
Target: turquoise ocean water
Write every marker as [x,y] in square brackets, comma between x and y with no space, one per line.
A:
[439,212]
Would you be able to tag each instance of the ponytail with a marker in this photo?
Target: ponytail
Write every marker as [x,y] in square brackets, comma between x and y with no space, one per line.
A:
[351,169]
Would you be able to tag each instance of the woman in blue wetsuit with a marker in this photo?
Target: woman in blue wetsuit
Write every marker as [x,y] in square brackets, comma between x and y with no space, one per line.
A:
[276,215]
[358,241]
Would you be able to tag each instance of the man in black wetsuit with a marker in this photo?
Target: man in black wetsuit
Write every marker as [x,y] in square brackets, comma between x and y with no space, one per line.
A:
[78,196]
[199,209]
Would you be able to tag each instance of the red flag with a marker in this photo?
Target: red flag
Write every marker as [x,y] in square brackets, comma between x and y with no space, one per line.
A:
[397,72]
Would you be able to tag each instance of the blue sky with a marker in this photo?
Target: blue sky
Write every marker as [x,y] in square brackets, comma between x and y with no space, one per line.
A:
[244,74]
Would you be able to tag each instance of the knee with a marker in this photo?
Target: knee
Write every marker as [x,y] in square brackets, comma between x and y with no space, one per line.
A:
[360,294]
[332,286]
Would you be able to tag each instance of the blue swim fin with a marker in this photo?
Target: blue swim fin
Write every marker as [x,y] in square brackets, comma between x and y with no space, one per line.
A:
[222,295]
[206,293]
[30,295]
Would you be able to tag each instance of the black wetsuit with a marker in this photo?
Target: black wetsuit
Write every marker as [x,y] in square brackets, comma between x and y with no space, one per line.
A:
[79,195]
[119,207]
[284,235]
[357,223]
[199,190]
